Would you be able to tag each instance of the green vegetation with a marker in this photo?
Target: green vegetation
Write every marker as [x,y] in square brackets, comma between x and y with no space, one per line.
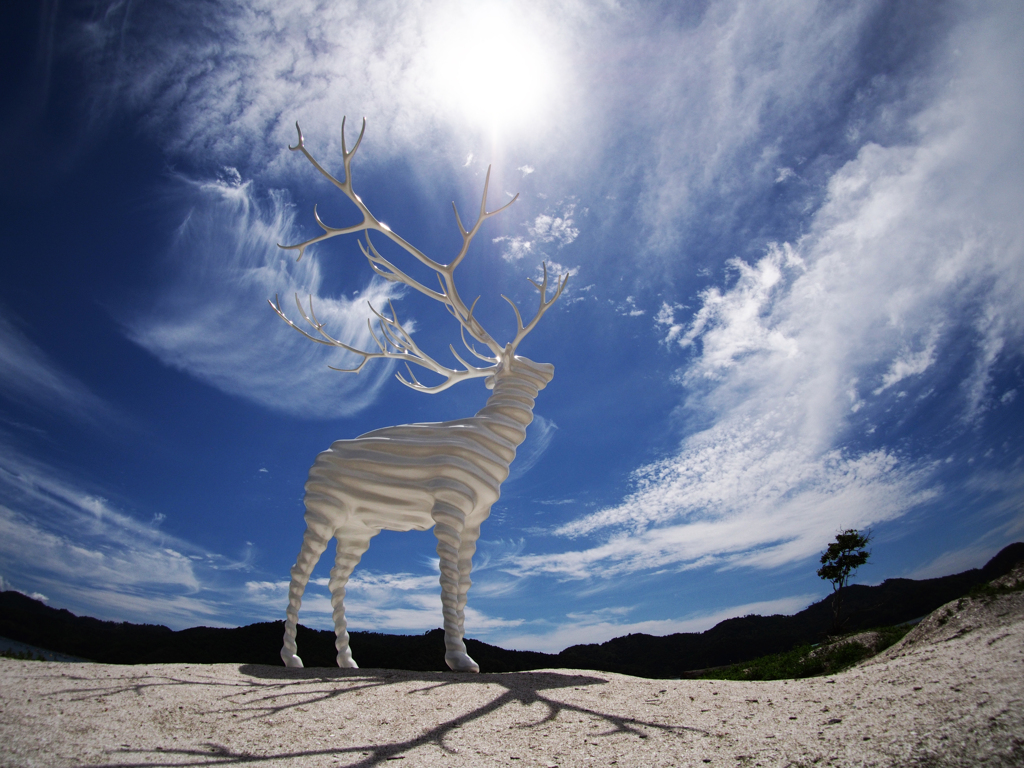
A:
[986,593]
[809,660]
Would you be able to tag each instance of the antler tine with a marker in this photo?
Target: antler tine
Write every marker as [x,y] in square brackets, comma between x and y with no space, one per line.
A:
[369,327]
[458,220]
[545,304]
[344,152]
[469,234]
[301,147]
[415,382]
[357,369]
[393,274]
[544,283]
[459,357]
[346,161]
[496,211]
[328,340]
[329,231]
[484,214]
[483,197]
[397,330]
[472,308]
[315,322]
[276,306]
[389,340]
[472,349]
[387,331]
[299,131]
[519,318]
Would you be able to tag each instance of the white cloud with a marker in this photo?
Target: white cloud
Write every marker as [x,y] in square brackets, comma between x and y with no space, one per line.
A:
[539,435]
[6,586]
[555,270]
[734,324]
[396,602]
[716,104]
[526,170]
[557,228]
[735,499]
[28,375]
[211,319]
[667,316]
[783,174]
[896,259]
[974,555]
[259,65]
[630,309]
[908,364]
[515,248]
[86,553]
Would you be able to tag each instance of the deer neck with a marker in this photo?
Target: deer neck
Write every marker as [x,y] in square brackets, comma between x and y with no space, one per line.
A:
[509,409]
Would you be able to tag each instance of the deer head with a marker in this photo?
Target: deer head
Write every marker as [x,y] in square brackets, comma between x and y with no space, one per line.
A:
[392,339]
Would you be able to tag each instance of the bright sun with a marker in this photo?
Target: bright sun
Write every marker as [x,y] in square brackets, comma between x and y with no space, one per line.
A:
[490,64]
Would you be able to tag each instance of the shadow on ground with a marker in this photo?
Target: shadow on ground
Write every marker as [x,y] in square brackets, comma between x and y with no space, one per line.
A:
[277,693]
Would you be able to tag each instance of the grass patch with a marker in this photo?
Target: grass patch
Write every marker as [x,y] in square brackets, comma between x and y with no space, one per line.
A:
[809,660]
[986,593]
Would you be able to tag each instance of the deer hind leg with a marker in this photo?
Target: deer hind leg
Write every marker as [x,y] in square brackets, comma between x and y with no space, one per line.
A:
[467,548]
[351,547]
[449,523]
[314,542]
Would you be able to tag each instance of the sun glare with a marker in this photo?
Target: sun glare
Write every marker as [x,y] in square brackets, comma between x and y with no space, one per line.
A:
[490,64]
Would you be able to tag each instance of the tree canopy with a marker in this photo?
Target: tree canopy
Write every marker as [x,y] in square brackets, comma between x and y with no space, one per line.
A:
[839,562]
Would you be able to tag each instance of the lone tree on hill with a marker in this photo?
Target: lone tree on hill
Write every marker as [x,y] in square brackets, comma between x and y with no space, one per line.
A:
[844,556]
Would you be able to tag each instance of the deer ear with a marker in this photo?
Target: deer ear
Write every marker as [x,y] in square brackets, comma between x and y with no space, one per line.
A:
[489,381]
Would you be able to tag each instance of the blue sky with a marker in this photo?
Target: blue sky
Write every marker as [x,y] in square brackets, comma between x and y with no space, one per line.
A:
[797,299]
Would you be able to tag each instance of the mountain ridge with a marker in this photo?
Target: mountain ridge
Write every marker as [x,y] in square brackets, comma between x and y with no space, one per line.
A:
[894,601]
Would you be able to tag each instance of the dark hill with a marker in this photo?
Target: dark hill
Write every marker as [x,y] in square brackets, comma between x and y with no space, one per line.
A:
[892,602]
[30,621]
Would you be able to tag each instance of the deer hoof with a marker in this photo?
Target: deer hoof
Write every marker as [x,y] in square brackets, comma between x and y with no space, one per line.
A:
[291,660]
[345,660]
[460,662]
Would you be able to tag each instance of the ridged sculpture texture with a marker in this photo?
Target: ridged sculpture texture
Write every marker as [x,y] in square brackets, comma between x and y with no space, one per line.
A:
[443,475]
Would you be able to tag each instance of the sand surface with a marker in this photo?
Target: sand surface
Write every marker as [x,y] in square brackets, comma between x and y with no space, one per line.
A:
[950,694]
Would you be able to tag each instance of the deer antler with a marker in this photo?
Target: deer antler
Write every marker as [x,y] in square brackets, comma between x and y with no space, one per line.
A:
[542,287]
[394,342]
[448,295]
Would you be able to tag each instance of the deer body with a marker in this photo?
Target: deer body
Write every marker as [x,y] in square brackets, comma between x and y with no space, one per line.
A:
[443,475]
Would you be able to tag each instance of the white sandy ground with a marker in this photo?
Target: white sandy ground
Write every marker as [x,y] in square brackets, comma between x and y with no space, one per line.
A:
[950,694]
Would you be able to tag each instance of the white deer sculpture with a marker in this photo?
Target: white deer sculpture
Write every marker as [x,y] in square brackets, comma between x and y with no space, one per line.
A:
[446,475]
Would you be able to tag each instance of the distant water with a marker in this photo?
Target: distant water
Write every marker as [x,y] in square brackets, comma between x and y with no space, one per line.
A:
[16,647]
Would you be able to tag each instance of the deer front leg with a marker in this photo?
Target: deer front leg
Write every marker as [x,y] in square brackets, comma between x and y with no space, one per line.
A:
[449,523]
[314,542]
[351,547]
